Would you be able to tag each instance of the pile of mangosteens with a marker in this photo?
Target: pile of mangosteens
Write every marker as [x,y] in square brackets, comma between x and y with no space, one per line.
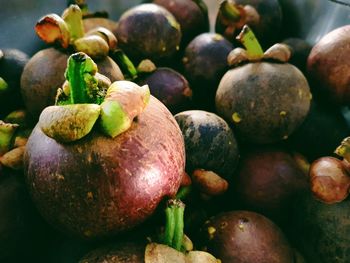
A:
[150,138]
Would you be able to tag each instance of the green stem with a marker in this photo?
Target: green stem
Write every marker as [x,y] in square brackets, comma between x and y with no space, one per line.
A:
[250,42]
[3,85]
[230,11]
[80,75]
[73,17]
[81,3]
[125,64]
[169,226]
[174,228]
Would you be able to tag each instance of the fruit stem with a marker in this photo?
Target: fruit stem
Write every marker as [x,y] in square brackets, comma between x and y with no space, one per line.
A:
[250,42]
[81,3]
[174,228]
[80,75]
[343,149]
[73,17]
[230,11]
[7,131]
[3,85]
[125,64]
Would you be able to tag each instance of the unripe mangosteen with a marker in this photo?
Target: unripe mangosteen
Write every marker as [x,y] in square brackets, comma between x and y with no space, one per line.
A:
[12,62]
[328,65]
[148,31]
[93,169]
[263,16]
[209,141]
[266,101]
[245,237]
[170,87]
[205,62]
[191,15]
[267,181]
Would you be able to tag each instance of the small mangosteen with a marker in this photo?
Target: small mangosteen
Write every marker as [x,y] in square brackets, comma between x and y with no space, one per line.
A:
[191,15]
[263,16]
[245,237]
[12,62]
[328,65]
[209,142]
[44,73]
[266,101]
[267,181]
[170,87]
[205,62]
[101,160]
[148,31]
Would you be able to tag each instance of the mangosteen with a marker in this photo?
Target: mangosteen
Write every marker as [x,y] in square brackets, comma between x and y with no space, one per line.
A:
[320,231]
[209,142]
[266,101]
[205,62]
[263,16]
[245,237]
[191,15]
[101,166]
[23,233]
[170,87]
[267,181]
[12,62]
[44,73]
[328,66]
[321,132]
[148,31]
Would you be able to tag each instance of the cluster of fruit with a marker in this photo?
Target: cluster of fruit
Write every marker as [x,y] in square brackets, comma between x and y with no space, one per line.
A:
[114,126]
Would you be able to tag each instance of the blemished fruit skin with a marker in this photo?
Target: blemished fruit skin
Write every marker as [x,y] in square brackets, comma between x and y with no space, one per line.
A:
[245,237]
[100,186]
[266,102]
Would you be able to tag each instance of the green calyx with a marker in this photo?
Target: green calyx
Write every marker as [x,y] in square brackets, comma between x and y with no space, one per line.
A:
[230,11]
[174,227]
[343,149]
[87,96]
[73,17]
[7,132]
[250,42]
[3,86]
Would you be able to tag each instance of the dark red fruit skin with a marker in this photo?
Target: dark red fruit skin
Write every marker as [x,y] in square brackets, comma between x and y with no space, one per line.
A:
[170,87]
[269,25]
[321,231]
[122,252]
[205,62]
[100,186]
[148,31]
[267,181]
[329,64]
[245,237]
[192,19]
[44,74]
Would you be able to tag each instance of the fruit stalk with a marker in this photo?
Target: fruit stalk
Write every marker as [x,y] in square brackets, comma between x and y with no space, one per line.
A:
[250,42]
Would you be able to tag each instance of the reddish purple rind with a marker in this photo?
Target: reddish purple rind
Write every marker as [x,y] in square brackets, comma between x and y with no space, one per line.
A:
[329,64]
[243,236]
[100,186]
[44,74]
